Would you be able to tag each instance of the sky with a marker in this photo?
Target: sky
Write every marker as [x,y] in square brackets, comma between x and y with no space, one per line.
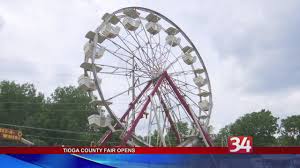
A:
[250,48]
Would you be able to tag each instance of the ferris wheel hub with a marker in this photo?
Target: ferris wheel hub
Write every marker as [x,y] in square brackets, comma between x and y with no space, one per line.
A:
[155,74]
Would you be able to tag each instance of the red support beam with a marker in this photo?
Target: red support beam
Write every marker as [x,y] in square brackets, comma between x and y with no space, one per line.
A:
[173,127]
[128,134]
[132,104]
[187,108]
[108,133]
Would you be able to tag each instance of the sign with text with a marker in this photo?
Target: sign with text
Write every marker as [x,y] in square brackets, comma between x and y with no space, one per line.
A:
[10,134]
[240,144]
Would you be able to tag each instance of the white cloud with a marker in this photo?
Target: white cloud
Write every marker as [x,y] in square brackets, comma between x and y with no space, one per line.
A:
[239,42]
[1,22]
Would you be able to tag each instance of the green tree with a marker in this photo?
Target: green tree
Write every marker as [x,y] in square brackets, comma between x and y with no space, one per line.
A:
[18,102]
[290,131]
[182,128]
[66,109]
[221,137]
[262,126]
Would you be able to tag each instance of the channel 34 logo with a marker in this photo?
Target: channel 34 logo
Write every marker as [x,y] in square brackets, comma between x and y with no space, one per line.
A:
[240,144]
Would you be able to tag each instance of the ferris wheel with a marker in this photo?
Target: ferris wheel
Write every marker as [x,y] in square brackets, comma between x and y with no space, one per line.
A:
[146,80]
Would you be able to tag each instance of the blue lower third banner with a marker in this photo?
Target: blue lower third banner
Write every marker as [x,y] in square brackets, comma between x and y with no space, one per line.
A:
[150,160]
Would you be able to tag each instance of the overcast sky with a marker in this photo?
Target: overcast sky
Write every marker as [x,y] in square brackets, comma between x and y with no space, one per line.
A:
[251,49]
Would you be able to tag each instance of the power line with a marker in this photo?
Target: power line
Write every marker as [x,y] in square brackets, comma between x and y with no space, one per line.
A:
[41,103]
[84,110]
[49,137]
[15,102]
[46,129]
[70,139]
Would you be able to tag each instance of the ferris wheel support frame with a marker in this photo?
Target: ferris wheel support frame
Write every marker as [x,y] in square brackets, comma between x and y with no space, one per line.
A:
[173,126]
[108,133]
[206,138]
[163,76]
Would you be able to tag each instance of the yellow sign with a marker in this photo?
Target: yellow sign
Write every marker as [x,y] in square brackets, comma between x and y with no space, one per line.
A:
[10,134]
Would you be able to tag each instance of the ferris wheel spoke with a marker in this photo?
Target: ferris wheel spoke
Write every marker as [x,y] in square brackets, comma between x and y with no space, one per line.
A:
[119,57]
[138,36]
[190,72]
[155,42]
[158,60]
[157,118]
[130,53]
[195,103]
[170,101]
[156,48]
[189,91]
[123,74]
[146,53]
[135,67]
[175,100]
[138,43]
[116,52]
[127,41]
[136,39]
[187,86]
[148,39]
[145,64]
[168,116]
[167,55]
[157,45]
[176,119]
[120,68]
[125,91]
[185,83]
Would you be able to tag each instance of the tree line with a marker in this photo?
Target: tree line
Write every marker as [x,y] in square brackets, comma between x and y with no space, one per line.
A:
[61,119]
[266,129]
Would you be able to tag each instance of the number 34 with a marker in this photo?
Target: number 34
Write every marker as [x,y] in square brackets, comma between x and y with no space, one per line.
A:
[239,144]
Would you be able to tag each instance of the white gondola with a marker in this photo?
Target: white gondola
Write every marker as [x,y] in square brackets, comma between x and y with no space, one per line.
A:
[86,84]
[187,49]
[113,19]
[153,28]
[188,58]
[131,13]
[88,50]
[94,120]
[152,18]
[105,121]
[90,67]
[203,116]
[172,40]
[199,70]
[204,94]
[99,103]
[131,24]
[199,81]
[110,31]
[90,35]
[172,31]
[204,105]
